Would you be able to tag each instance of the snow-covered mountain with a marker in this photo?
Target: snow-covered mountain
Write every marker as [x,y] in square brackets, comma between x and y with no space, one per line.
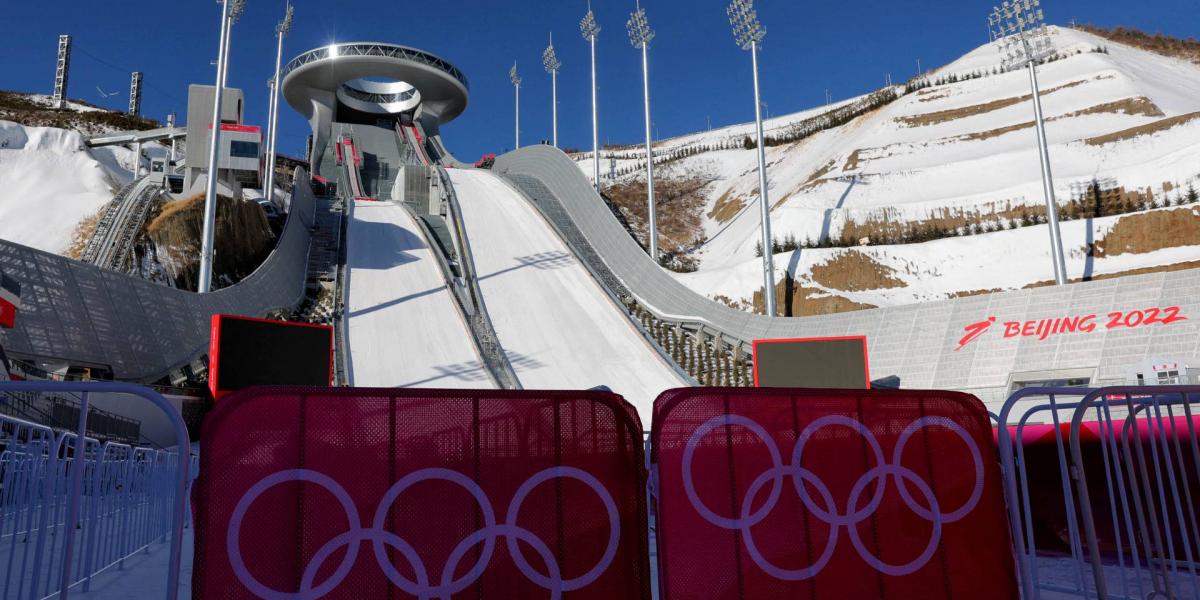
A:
[49,180]
[938,193]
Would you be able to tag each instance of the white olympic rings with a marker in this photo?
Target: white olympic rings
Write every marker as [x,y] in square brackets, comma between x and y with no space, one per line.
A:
[828,511]
[381,538]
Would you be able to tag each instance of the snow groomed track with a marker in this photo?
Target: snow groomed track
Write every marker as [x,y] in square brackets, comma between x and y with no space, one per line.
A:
[560,329]
[402,324]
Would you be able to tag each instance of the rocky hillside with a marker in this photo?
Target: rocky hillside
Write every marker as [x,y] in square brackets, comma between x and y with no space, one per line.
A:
[243,237]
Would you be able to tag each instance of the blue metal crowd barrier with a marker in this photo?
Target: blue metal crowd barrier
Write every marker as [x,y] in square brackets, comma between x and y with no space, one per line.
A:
[72,507]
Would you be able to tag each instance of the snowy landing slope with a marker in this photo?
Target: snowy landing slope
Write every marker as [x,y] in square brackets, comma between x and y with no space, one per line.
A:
[560,329]
[1125,116]
[401,321]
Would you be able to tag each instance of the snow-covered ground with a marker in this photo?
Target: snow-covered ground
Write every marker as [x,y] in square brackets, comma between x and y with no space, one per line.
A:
[402,326]
[49,182]
[559,328]
[943,268]
[967,146]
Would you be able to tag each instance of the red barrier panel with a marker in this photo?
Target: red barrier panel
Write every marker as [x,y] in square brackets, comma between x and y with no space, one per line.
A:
[354,493]
[777,493]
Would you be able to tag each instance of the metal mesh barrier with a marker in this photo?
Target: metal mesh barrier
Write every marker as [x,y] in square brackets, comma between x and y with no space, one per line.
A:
[464,494]
[777,493]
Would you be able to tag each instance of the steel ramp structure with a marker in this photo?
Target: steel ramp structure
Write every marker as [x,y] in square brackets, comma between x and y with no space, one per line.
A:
[559,327]
[402,325]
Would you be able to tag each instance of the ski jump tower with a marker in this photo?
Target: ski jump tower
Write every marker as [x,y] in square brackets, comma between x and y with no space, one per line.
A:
[372,83]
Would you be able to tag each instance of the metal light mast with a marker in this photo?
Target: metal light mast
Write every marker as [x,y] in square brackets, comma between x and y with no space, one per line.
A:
[516,81]
[62,70]
[281,31]
[1020,28]
[135,93]
[231,11]
[174,141]
[552,64]
[590,29]
[640,36]
[749,33]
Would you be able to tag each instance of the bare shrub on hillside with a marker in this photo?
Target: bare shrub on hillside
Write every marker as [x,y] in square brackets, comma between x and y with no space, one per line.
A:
[21,109]
[243,240]
[680,201]
[1158,43]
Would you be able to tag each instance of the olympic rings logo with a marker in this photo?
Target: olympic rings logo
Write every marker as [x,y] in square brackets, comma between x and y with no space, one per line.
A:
[827,511]
[381,538]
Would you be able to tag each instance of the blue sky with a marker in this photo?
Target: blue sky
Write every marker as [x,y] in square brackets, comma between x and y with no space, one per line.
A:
[697,73]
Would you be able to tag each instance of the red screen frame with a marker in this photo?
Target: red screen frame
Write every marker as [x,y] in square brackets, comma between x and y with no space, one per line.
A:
[862,338]
[214,349]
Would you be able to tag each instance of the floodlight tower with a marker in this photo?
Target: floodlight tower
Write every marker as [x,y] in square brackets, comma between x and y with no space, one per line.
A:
[590,29]
[1020,28]
[516,81]
[231,11]
[62,69]
[749,33]
[135,93]
[640,35]
[552,64]
[174,141]
[281,31]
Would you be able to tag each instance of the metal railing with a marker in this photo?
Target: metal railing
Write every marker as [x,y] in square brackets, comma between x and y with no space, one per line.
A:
[112,243]
[1139,537]
[478,319]
[376,49]
[72,507]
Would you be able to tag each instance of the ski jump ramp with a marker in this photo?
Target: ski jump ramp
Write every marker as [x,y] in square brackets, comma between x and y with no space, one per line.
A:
[403,327]
[559,327]
[922,344]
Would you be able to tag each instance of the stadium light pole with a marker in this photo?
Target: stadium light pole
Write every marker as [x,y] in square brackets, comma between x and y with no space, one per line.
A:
[749,33]
[516,81]
[281,31]
[231,11]
[590,29]
[552,64]
[1020,28]
[640,35]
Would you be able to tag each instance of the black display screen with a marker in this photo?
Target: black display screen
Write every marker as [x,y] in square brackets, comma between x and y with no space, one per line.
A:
[817,363]
[254,353]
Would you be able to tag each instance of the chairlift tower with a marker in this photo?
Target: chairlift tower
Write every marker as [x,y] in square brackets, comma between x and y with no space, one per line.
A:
[135,93]
[1019,28]
[515,78]
[552,64]
[640,36]
[61,72]
[749,33]
[590,30]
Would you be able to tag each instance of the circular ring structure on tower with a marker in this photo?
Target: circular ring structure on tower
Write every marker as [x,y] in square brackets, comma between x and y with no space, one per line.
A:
[382,98]
[350,72]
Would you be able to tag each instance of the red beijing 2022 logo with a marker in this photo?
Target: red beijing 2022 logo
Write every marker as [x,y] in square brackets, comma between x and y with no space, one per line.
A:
[1042,329]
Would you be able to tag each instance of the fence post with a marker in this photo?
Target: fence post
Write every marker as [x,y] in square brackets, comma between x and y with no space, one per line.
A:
[77,467]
